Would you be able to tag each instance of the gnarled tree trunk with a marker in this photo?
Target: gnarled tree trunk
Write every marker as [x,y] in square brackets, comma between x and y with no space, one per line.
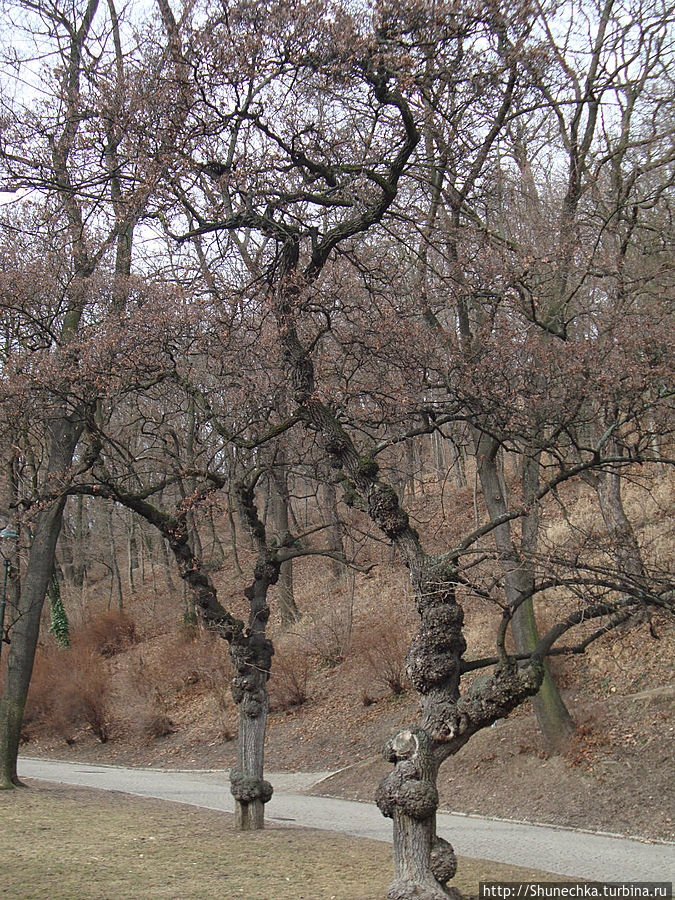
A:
[251,655]
[424,863]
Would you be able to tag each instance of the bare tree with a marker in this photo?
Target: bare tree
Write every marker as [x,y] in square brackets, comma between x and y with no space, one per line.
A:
[78,153]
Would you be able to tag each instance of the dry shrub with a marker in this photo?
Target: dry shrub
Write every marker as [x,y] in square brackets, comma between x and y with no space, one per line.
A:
[108,633]
[69,688]
[328,636]
[382,644]
[208,665]
[180,667]
[157,725]
[145,709]
[203,661]
[290,673]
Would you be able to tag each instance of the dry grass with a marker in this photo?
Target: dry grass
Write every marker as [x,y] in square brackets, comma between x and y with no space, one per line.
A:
[77,844]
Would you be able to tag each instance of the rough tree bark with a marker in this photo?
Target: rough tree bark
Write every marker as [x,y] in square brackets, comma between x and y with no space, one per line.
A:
[424,863]
[252,659]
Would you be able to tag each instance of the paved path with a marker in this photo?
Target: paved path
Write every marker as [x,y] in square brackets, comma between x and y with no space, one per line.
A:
[558,850]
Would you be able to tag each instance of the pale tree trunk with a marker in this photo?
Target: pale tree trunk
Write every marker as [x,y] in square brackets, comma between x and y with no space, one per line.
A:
[216,553]
[80,543]
[330,516]
[423,862]
[11,573]
[607,483]
[233,536]
[623,543]
[437,451]
[458,462]
[621,534]
[67,556]
[26,628]
[280,502]
[115,569]
[166,565]
[553,717]
[411,466]
[289,610]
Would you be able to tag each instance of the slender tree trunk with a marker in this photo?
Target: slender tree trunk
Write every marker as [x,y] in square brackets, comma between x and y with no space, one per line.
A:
[553,717]
[289,611]
[334,539]
[26,628]
[60,626]
[142,553]
[437,451]
[132,554]
[458,464]
[621,533]
[279,502]
[80,543]
[233,536]
[67,556]
[12,585]
[622,539]
[217,552]
[167,564]
[116,578]
[410,467]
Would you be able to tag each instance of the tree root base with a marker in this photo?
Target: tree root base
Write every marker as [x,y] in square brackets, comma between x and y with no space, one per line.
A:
[9,784]
[403,889]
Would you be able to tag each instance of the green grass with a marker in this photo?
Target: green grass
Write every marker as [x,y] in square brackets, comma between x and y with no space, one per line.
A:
[63,843]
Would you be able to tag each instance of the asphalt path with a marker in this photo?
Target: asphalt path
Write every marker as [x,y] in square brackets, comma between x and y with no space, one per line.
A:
[562,851]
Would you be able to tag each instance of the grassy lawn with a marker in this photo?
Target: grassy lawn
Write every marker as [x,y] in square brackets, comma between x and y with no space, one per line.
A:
[63,843]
